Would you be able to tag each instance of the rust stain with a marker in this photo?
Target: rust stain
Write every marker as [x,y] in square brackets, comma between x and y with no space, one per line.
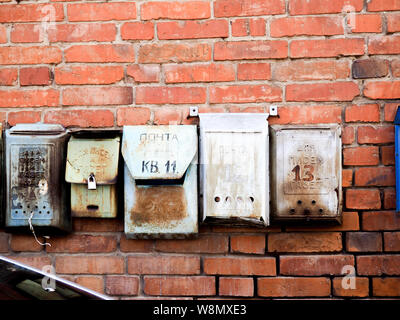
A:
[159,205]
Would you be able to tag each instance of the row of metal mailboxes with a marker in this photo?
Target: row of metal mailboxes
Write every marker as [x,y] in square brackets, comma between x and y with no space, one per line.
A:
[246,170]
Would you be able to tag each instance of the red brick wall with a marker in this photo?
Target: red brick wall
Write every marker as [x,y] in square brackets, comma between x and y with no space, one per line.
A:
[115,63]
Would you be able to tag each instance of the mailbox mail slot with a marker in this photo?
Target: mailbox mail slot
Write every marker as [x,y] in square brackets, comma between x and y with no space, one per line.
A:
[234,168]
[160,181]
[306,179]
[35,190]
[92,170]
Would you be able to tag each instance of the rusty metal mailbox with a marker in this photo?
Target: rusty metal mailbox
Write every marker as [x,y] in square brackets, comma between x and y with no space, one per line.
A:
[306,179]
[234,168]
[92,170]
[160,181]
[35,189]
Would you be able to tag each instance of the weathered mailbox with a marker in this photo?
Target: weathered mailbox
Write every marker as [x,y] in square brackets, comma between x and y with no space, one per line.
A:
[35,187]
[160,181]
[397,156]
[92,170]
[306,176]
[234,168]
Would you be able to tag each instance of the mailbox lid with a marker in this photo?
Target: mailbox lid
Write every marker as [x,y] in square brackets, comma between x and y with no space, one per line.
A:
[306,172]
[159,152]
[37,129]
[234,172]
[97,156]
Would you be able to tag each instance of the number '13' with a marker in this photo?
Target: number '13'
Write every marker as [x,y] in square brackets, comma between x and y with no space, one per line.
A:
[308,173]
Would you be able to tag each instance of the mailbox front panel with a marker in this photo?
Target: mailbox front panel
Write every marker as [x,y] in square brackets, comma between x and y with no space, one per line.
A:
[160,181]
[234,167]
[306,172]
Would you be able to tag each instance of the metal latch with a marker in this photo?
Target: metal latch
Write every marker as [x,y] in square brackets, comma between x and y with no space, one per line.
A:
[91,182]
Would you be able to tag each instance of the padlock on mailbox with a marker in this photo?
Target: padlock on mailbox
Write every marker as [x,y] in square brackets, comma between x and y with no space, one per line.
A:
[36,193]
[92,170]
[306,179]
[160,181]
[234,168]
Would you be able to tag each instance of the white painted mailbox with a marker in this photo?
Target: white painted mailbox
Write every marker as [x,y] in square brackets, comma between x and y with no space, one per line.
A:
[306,176]
[160,181]
[234,168]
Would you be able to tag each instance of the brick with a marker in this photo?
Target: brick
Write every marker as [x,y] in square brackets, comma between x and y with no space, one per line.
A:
[144,73]
[8,76]
[97,96]
[240,27]
[26,243]
[94,283]
[361,156]
[133,116]
[30,55]
[24,33]
[137,31]
[382,90]
[380,220]
[390,111]
[80,118]
[307,115]
[175,10]
[375,176]
[174,52]
[192,29]
[122,285]
[395,65]
[87,74]
[167,116]
[236,287]
[365,23]
[254,71]
[383,5]
[314,265]
[293,287]
[369,68]
[29,98]
[97,225]
[363,241]
[245,50]
[386,287]
[348,135]
[101,11]
[245,93]
[335,91]
[234,8]
[39,76]
[83,243]
[179,286]
[37,262]
[175,95]
[384,44]
[375,135]
[163,265]
[203,244]
[393,22]
[3,34]
[326,48]
[82,32]
[89,264]
[378,265]
[254,244]
[30,12]
[100,53]
[303,70]
[363,113]
[23,117]
[257,27]
[389,198]
[239,266]
[305,242]
[313,26]
[347,177]
[4,239]
[298,7]
[136,245]
[361,287]
[199,73]
[391,241]
[363,199]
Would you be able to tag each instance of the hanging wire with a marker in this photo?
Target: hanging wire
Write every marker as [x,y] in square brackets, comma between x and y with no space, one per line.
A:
[34,234]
